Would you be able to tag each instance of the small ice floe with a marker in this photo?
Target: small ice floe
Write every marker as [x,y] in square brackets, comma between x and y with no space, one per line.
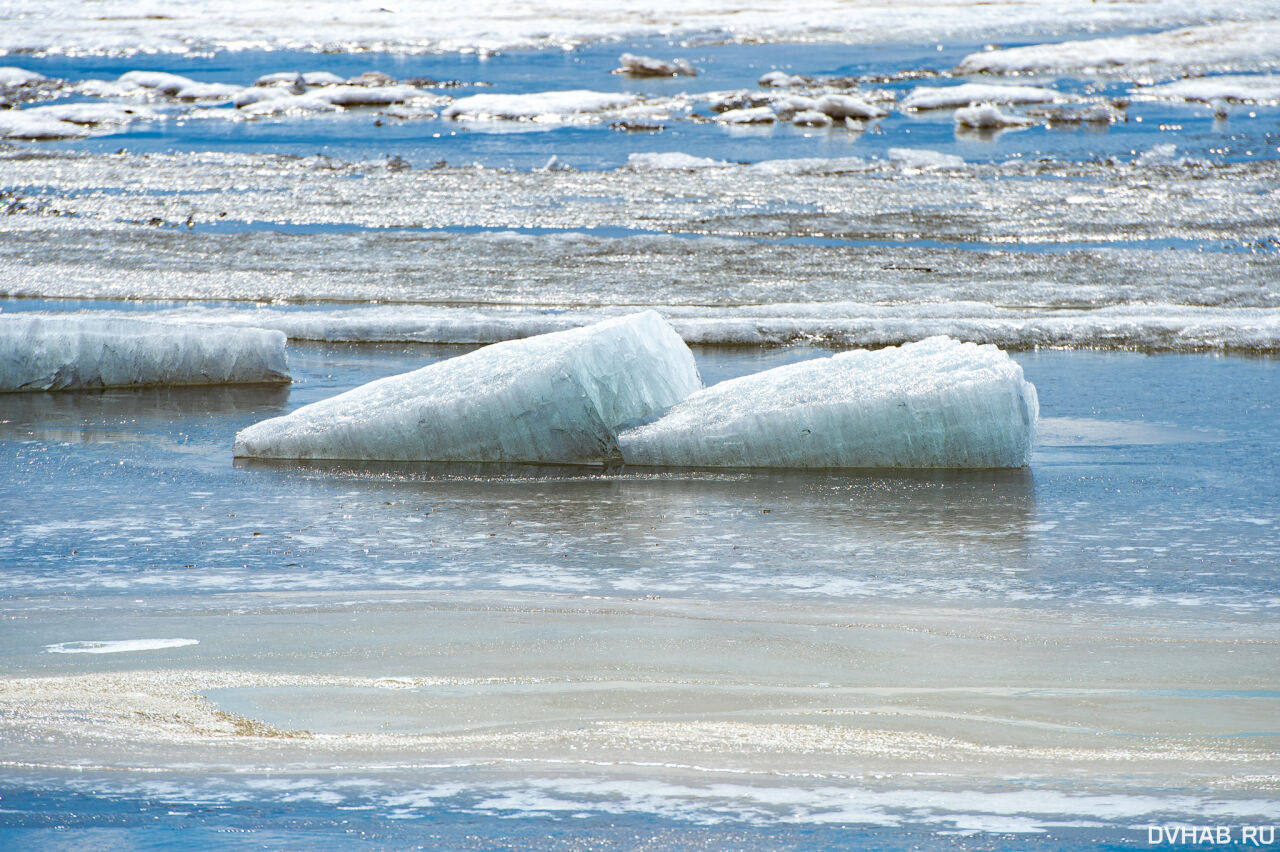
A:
[96,114]
[117,646]
[1164,154]
[264,101]
[20,124]
[781,80]
[938,403]
[647,66]
[174,86]
[752,115]
[847,106]
[1236,45]
[552,398]
[811,166]
[1097,113]
[11,77]
[671,161]
[811,118]
[950,97]
[304,78]
[923,159]
[41,352]
[555,106]
[1238,89]
[988,116]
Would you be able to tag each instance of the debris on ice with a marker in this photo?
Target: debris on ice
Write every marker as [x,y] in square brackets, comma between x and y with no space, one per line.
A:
[43,352]
[938,403]
[552,398]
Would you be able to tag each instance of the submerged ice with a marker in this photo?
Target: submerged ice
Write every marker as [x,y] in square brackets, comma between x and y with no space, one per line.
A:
[553,398]
[938,403]
[40,353]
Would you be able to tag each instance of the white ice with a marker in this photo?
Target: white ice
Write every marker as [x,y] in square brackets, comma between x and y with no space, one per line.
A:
[671,161]
[922,158]
[537,105]
[648,66]
[748,115]
[986,116]
[30,124]
[63,352]
[1241,88]
[938,403]
[145,26]
[94,113]
[552,398]
[1236,45]
[950,97]
[117,646]
[11,76]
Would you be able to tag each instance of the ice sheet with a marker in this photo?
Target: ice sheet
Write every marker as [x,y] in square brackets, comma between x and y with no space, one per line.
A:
[537,106]
[950,97]
[551,398]
[1231,46]
[938,403]
[1243,88]
[72,351]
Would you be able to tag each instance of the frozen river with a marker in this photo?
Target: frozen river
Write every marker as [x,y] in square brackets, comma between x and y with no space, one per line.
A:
[200,651]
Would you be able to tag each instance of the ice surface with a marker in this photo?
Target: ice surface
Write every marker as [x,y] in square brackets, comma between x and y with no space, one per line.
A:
[551,398]
[647,66]
[748,115]
[536,105]
[1245,89]
[921,158]
[949,97]
[1236,45]
[13,76]
[118,646]
[129,27]
[69,352]
[938,403]
[671,161]
[94,113]
[30,124]
[988,115]
[847,106]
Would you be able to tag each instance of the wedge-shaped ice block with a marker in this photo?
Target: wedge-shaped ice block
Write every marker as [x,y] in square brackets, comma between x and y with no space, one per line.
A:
[40,353]
[556,397]
[933,404]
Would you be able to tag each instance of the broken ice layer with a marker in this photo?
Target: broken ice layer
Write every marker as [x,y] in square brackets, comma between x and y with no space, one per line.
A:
[1240,88]
[39,353]
[933,404]
[117,27]
[1234,46]
[538,106]
[552,398]
[950,97]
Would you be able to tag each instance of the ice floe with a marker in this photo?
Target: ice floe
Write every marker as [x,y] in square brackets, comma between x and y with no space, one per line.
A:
[552,398]
[537,106]
[647,66]
[175,86]
[1239,88]
[985,116]
[1231,46]
[671,161]
[950,97]
[117,646]
[11,76]
[933,404]
[61,352]
[922,158]
[29,124]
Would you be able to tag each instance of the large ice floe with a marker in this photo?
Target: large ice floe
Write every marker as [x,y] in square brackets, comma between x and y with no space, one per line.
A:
[937,403]
[40,353]
[552,398]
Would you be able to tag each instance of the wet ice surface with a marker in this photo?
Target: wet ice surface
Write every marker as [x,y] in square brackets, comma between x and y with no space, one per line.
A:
[1138,514]
[563,657]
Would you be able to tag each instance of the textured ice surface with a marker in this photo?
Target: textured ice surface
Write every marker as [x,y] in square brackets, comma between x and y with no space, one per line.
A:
[13,76]
[30,124]
[552,398]
[947,97]
[137,26]
[1251,45]
[933,404]
[923,158]
[1244,88]
[537,105]
[69,352]
[988,115]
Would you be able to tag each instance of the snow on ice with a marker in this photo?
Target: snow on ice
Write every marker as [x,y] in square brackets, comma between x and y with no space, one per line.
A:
[39,353]
[552,398]
[933,404]
[950,97]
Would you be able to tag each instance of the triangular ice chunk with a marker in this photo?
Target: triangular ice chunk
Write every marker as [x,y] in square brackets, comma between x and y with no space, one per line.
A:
[933,404]
[551,398]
